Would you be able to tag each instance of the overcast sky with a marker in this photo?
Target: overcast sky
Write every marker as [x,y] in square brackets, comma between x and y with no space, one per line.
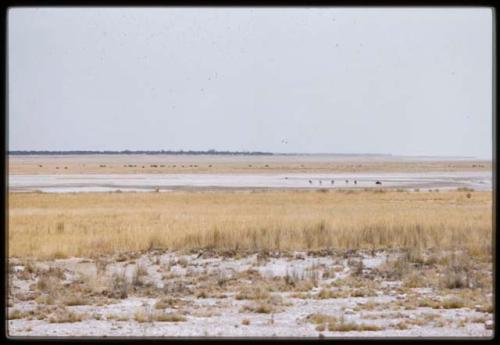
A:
[312,80]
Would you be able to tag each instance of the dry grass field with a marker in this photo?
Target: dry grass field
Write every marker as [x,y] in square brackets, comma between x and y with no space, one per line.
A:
[169,164]
[47,226]
[377,262]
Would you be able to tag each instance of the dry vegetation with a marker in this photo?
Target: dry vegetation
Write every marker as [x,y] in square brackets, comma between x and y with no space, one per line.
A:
[90,224]
[172,287]
[151,164]
[338,324]
[376,248]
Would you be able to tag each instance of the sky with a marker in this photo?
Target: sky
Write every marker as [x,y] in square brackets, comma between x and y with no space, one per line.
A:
[401,81]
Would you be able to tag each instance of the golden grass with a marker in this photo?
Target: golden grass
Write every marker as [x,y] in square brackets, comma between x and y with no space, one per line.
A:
[260,308]
[165,317]
[336,324]
[90,224]
[63,315]
[453,303]
[15,314]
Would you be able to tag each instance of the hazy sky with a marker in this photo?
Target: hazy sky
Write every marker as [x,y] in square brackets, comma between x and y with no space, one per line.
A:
[400,81]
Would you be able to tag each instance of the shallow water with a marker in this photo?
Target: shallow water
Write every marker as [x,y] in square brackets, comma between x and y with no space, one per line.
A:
[168,182]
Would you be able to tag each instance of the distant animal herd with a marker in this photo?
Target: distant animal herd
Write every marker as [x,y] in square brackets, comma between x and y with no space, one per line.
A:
[332,182]
[320,182]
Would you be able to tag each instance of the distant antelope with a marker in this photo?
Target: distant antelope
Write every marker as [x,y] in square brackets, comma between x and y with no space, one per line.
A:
[378,182]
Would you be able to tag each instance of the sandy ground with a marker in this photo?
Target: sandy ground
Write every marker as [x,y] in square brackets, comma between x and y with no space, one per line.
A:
[217,294]
[240,164]
[480,180]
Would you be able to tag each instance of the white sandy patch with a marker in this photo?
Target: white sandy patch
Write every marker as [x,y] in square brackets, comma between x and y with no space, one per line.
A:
[223,317]
[481,180]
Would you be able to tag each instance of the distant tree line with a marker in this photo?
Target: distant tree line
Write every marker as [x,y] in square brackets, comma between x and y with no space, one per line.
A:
[129,152]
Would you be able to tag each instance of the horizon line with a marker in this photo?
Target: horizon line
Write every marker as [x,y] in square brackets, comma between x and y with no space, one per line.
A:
[215,152]
[210,151]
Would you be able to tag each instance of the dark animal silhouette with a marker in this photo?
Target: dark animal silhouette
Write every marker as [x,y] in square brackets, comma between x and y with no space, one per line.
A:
[332,182]
[355,182]
[310,182]
[378,182]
